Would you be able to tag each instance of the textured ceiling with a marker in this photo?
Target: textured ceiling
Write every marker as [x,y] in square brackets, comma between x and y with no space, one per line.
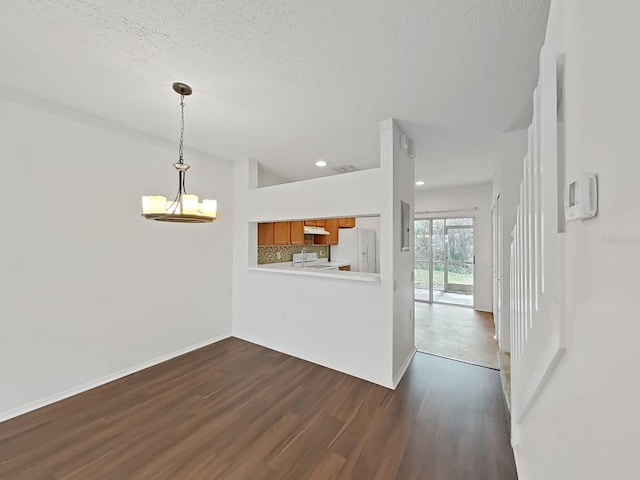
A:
[288,82]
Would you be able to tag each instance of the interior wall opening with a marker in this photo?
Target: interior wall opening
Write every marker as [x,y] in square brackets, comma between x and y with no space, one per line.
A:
[444,261]
[446,324]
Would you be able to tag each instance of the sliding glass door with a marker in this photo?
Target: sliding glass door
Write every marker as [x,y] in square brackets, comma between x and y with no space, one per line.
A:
[444,261]
[422,229]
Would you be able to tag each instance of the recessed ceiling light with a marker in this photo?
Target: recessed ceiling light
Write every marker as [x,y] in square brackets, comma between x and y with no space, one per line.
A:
[419,183]
[321,163]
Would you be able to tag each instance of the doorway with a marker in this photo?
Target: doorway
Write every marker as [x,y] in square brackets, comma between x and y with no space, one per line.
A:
[444,261]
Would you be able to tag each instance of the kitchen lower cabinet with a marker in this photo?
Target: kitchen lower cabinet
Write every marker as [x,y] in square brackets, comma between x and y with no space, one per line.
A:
[346,268]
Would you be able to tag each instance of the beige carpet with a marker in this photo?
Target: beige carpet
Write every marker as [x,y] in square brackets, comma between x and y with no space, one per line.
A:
[456,332]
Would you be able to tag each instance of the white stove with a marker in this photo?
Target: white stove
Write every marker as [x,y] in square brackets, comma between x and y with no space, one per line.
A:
[304,259]
[310,261]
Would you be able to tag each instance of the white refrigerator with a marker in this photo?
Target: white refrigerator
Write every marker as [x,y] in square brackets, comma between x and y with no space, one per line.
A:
[356,246]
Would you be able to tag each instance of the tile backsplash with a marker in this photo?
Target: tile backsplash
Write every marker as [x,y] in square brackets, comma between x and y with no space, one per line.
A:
[270,254]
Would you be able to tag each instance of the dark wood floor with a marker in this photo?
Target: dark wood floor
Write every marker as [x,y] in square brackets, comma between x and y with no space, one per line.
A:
[235,410]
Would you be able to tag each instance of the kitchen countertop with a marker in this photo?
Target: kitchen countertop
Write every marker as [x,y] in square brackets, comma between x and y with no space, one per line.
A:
[319,268]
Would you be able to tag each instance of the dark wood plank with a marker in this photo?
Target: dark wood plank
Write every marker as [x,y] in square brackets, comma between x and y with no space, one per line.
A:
[235,410]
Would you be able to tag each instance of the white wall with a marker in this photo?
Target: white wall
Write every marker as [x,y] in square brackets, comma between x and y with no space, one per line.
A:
[585,425]
[88,287]
[463,199]
[341,324]
[403,261]
[506,183]
[267,178]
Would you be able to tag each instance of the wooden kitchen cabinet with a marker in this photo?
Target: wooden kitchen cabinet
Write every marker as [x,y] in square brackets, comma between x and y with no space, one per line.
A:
[331,226]
[345,268]
[288,233]
[296,230]
[292,233]
[265,234]
[281,233]
[314,223]
[347,222]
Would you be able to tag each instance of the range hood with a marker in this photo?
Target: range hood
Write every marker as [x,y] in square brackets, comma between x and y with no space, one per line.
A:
[314,231]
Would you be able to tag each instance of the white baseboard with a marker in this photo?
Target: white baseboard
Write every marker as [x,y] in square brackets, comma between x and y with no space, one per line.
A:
[516,457]
[483,309]
[29,407]
[405,365]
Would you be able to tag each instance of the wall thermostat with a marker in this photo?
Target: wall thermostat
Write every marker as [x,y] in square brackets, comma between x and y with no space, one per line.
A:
[581,197]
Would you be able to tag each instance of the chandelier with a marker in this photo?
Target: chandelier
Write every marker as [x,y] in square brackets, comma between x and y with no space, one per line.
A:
[184,208]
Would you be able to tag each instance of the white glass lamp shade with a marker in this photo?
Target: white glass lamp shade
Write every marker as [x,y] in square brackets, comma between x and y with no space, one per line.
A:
[209,208]
[185,210]
[154,204]
[190,204]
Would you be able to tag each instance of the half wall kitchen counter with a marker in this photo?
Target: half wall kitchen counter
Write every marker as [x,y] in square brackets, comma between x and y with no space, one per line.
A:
[323,270]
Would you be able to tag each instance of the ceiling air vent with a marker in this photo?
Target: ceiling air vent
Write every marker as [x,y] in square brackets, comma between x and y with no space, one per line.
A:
[345,169]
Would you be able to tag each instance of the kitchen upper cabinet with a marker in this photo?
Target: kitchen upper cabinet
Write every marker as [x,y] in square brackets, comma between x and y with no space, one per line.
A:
[331,226]
[288,233]
[292,233]
[265,234]
[314,223]
[281,233]
[296,233]
[347,222]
